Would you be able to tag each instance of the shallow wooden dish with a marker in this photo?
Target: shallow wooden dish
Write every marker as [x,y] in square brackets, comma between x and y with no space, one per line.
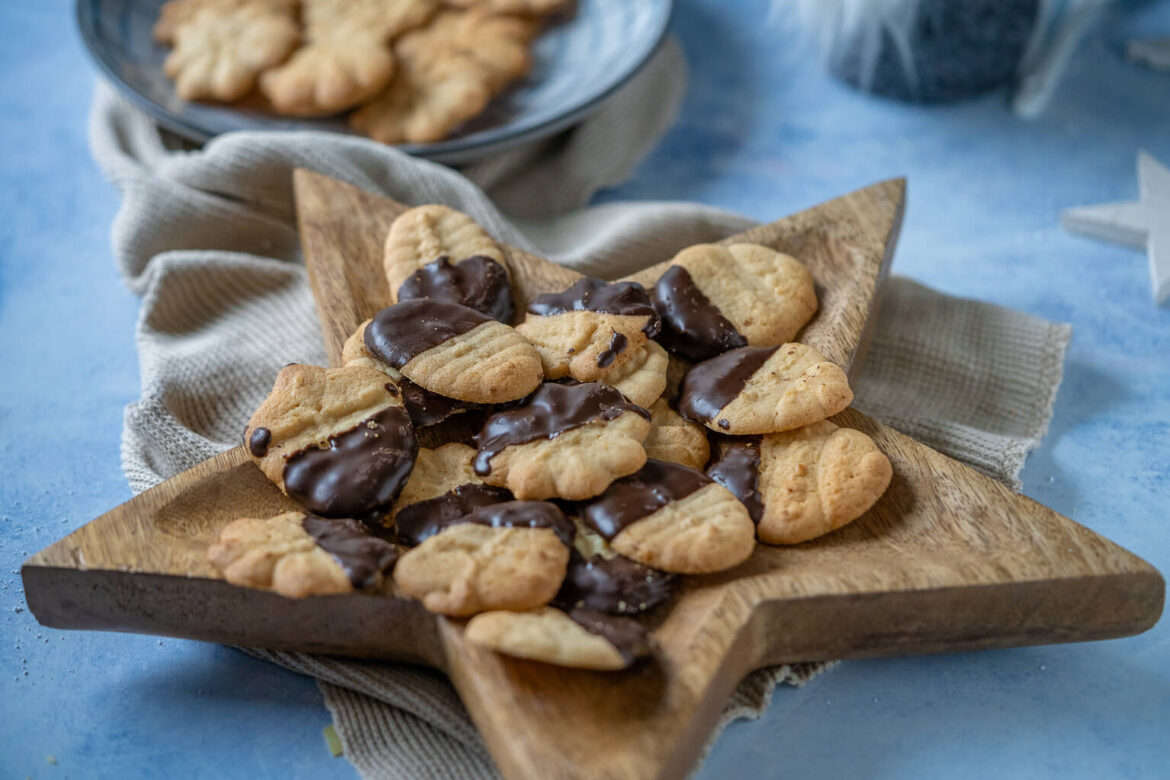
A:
[947,560]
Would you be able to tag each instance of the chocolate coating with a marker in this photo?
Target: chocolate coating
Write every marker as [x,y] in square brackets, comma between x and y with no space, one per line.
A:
[738,470]
[616,585]
[639,495]
[617,345]
[629,637]
[401,332]
[714,383]
[692,326]
[418,522]
[258,442]
[547,413]
[361,472]
[363,557]
[495,511]
[427,408]
[476,282]
[592,294]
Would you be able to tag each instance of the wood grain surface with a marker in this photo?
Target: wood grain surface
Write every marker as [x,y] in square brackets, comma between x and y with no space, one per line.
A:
[947,560]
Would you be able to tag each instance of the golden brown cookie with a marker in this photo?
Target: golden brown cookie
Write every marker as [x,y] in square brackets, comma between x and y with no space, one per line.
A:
[423,106]
[814,480]
[565,441]
[424,407]
[580,639]
[300,555]
[495,46]
[674,439]
[753,390]
[337,440]
[454,351]
[221,49]
[347,57]
[174,13]
[424,235]
[500,556]
[591,329]
[673,518]
[714,298]
[600,579]
[642,378]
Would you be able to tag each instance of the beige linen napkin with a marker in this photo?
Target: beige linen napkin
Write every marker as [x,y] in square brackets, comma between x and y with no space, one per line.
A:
[208,239]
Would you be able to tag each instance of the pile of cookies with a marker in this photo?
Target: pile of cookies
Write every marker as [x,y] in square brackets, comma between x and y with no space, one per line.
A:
[625,437]
[411,71]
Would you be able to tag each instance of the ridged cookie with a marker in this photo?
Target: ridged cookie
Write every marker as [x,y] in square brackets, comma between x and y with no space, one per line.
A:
[642,378]
[337,440]
[817,479]
[754,390]
[579,639]
[590,329]
[673,518]
[714,298]
[424,407]
[300,555]
[220,50]
[565,441]
[425,234]
[501,556]
[674,439]
[454,351]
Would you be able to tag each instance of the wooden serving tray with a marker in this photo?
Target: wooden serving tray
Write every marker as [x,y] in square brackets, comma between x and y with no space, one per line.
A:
[947,560]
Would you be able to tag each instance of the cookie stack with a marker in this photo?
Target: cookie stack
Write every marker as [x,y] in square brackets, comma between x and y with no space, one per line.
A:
[625,437]
[411,71]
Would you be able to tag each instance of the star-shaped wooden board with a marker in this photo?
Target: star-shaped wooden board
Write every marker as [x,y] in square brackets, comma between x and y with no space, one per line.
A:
[946,560]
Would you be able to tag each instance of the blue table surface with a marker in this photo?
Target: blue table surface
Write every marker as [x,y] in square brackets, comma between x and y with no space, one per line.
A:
[763,131]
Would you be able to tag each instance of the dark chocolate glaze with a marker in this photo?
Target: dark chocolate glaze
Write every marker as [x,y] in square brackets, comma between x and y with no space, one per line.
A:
[427,408]
[361,472]
[629,637]
[418,522]
[476,282]
[738,470]
[692,326]
[547,413]
[617,345]
[401,332]
[525,514]
[614,585]
[639,495]
[362,556]
[592,294]
[714,383]
[258,442]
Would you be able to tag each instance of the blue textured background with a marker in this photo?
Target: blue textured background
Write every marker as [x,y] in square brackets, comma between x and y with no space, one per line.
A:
[764,132]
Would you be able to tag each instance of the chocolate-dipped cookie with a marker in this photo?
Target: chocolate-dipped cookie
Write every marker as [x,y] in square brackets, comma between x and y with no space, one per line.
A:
[443,488]
[300,555]
[564,441]
[714,298]
[421,236]
[454,351]
[580,638]
[590,329]
[509,555]
[424,407]
[673,518]
[754,390]
[337,440]
[476,282]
